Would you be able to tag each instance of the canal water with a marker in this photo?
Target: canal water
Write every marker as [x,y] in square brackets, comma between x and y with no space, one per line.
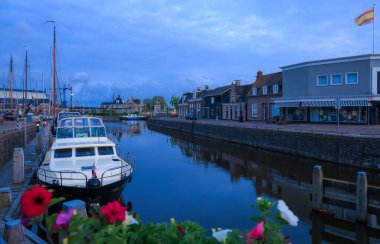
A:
[213,182]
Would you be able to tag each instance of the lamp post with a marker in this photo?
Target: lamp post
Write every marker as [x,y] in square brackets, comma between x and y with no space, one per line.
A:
[268,104]
[240,112]
[71,98]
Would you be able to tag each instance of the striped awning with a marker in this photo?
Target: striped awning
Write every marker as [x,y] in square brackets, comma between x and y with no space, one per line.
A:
[318,103]
[354,103]
[288,104]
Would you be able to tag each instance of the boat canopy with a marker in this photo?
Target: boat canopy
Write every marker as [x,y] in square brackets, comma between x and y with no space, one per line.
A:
[80,127]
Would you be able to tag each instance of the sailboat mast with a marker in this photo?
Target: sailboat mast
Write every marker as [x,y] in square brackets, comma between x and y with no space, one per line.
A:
[26,82]
[54,78]
[10,85]
[4,94]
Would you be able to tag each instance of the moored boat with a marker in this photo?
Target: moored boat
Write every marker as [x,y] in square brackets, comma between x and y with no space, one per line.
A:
[82,159]
[133,117]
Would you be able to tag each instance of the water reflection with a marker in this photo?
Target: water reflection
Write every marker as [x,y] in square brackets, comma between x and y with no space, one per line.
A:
[214,182]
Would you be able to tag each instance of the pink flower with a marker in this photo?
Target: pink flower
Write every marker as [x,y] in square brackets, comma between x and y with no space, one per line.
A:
[181,230]
[63,219]
[257,233]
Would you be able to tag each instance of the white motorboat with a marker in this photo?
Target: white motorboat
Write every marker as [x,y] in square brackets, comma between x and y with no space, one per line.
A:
[82,157]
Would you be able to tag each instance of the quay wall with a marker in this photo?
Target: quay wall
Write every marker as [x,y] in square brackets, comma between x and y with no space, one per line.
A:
[111,118]
[332,148]
[12,138]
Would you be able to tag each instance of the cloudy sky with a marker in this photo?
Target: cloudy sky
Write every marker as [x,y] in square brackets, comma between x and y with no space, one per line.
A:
[165,47]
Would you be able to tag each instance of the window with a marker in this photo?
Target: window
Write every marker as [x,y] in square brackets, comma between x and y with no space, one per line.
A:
[63,153]
[82,132]
[352,78]
[275,111]
[85,151]
[65,133]
[254,91]
[254,110]
[265,90]
[81,122]
[336,79]
[66,123]
[105,150]
[236,110]
[275,89]
[212,100]
[232,98]
[96,122]
[226,112]
[322,80]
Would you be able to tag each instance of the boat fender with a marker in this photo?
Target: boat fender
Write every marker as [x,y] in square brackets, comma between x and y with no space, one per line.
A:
[93,183]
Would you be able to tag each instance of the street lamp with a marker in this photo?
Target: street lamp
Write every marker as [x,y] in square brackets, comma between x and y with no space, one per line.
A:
[268,104]
[71,98]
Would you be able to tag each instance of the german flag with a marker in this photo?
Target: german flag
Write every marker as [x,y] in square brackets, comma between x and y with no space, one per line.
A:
[365,18]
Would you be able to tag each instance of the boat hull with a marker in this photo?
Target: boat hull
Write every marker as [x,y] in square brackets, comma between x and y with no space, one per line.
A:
[112,190]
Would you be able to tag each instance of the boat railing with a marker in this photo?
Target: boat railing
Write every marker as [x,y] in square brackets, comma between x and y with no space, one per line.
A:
[128,158]
[58,177]
[116,172]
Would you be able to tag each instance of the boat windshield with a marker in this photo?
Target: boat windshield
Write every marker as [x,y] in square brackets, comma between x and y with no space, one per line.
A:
[80,127]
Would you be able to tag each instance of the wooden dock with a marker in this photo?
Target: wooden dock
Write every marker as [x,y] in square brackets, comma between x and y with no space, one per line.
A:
[344,212]
[33,153]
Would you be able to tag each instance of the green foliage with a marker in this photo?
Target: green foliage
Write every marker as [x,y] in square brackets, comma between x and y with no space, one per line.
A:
[174,102]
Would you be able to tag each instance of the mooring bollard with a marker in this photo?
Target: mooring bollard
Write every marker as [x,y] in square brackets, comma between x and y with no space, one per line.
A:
[317,188]
[5,197]
[361,197]
[13,232]
[78,205]
[18,165]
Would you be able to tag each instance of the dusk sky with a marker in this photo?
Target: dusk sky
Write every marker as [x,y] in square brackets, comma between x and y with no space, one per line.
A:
[164,47]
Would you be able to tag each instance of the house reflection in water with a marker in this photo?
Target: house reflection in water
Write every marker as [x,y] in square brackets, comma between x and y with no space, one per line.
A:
[272,174]
[129,128]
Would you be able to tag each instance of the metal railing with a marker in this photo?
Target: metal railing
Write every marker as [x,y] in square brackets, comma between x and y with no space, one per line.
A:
[61,178]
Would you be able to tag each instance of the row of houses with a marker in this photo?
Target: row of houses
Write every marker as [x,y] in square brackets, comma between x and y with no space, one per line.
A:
[129,105]
[343,89]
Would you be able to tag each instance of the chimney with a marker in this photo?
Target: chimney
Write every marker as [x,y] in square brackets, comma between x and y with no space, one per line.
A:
[206,87]
[237,82]
[259,74]
[198,88]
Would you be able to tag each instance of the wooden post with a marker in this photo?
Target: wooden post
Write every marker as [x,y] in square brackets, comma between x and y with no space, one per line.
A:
[18,165]
[13,232]
[361,233]
[78,205]
[317,227]
[361,197]
[5,197]
[317,188]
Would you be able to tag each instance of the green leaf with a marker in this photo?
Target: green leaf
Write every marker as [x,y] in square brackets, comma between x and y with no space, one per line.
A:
[54,201]
[50,221]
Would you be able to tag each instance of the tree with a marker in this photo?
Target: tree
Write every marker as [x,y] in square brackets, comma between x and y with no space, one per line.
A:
[174,100]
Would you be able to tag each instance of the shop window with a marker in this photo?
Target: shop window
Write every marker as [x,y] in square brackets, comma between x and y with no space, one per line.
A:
[322,80]
[336,79]
[352,78]
[255,110]
[296,114]
[275,111]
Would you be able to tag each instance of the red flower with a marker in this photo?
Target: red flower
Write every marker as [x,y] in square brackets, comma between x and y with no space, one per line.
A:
[35,201]
[181,230]
[113,212]
[257,233]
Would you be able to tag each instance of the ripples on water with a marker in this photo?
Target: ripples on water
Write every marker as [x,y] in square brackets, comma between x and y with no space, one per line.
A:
[214,182]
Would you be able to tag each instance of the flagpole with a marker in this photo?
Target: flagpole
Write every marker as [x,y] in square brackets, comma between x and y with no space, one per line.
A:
[373,30]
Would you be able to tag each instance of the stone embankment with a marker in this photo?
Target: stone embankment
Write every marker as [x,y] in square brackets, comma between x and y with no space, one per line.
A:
[12,138]
[343,149]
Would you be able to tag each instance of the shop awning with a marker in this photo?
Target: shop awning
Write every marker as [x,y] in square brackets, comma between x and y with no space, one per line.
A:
[287,104]
[318,103]
[354,103]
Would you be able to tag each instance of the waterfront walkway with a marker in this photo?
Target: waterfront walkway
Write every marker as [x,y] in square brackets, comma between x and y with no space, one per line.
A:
[31,154]
[366,131]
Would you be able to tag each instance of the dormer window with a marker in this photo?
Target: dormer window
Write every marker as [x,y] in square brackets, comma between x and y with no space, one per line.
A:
[275,89]
[265,90]
[254,91]
[194,94]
